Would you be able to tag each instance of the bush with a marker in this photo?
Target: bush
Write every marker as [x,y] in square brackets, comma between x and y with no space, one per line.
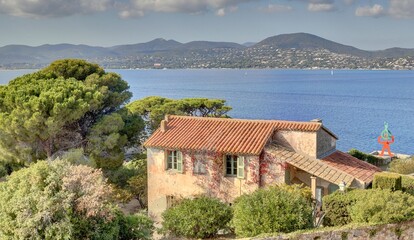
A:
[130,180]
[367,206]
[202,217]
[402,166]
[407,183]
[387,180]
[57,201]
[336,207]
[274,209]
[365,157]
[6,168]
[137,226]
[3,171]
[382,206]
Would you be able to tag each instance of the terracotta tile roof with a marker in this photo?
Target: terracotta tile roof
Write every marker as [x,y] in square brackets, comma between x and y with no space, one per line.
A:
[313,166]
[361,170]
[226,135]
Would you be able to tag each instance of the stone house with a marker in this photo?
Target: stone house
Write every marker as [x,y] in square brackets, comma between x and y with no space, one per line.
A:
[225,158]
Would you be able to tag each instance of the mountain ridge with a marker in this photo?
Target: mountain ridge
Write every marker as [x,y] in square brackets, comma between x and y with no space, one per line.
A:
[40,55]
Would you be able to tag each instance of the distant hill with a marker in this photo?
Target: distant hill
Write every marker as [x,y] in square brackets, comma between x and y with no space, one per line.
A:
[249,44]
[309,41]
[209,45]
[227,54]
[46,53]
[394,53]
[156,45]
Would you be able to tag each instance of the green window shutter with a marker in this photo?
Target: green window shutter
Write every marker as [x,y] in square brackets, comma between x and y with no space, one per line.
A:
[179,162]
[240,167]
[167,155]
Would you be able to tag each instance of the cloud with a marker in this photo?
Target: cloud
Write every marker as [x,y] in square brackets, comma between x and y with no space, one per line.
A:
[276,8]
[368,11]
[321,7]
[126,8]
[137,8]
[349,2]
[402,9]
[52,8]
[221,12]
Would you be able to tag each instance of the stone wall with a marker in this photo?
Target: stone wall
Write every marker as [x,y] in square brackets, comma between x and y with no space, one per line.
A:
[400,231]
[300,142]
[325,143]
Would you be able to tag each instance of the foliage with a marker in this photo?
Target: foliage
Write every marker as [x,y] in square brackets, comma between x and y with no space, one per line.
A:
[365,157]
[58,201]
[65,106]
[274,209]
[3,171]
[38,111]
[196,218]
[402,166]
[138,186]
[407,183]
[367,206]
[105,142]
[336,207]
[387,180]
[130,180]
[383,206]
[153,109]
[76,156]
[135,226]
[68,68]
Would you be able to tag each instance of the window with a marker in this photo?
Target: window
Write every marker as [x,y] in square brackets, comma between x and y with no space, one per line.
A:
[199,166]
[234,166]
[175,160]
[172,201]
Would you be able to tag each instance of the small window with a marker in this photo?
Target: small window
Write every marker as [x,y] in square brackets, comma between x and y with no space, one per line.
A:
[175,160]
[234,166]
[172,201]
[199,166]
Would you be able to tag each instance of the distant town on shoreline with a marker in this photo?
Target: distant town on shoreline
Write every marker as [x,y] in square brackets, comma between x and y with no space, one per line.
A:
[297,51]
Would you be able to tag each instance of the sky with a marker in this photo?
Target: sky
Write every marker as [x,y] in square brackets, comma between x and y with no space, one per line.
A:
[366,24]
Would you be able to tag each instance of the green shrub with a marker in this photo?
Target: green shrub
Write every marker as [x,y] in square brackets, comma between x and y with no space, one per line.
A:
[196,218]
[137,226]
[57,201]
[273,209]
[402,166]
[130,180]
[336,207]
[387,180]
[407,183]
[3,171]
[6,168]
[382,206]
[365,157]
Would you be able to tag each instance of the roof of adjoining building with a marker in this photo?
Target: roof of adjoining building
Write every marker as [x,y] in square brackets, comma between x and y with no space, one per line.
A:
[361,170]
[335,168]
[235,136]
[313,166]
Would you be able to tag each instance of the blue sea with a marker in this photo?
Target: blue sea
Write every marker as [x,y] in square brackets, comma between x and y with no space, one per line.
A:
[354,104]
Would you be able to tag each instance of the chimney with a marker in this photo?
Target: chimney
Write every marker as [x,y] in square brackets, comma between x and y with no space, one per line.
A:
[316,120]
[167,117]
[164,126]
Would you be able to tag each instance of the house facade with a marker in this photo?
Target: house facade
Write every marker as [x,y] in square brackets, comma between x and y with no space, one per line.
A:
[225,158]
